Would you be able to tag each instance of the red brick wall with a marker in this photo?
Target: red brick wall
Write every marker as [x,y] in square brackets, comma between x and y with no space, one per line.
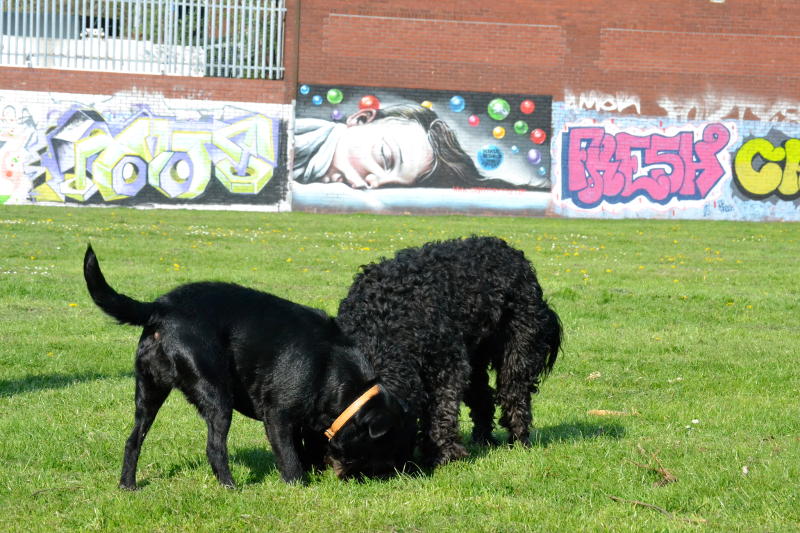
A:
[675,49]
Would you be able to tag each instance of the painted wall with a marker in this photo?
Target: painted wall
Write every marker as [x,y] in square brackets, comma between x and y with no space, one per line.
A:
[140,149]
[410,150]
[681,109]
[702,160]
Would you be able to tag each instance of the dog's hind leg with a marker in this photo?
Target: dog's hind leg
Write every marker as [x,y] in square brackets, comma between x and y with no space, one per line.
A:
[215,405]
[479,397]
[150,396]
[204,381]
[516,379]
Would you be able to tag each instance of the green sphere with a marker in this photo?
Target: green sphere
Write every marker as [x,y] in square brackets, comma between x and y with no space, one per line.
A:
[335,96]
[498,109]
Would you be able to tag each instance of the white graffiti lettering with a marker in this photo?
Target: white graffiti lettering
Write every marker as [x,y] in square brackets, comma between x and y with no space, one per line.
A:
[598,101]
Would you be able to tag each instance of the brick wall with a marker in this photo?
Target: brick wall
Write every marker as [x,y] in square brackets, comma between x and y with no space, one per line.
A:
[656,50]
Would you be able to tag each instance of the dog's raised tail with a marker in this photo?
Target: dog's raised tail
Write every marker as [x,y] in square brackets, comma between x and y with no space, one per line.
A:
[124,309]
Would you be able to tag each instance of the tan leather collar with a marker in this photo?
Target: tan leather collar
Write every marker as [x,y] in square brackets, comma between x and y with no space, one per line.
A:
[350,411]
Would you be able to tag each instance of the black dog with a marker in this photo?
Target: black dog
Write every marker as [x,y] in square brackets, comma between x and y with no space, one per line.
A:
[229,347]
[433,319]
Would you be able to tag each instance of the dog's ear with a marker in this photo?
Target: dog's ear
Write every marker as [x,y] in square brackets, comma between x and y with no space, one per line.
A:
[389,412]
[380,426]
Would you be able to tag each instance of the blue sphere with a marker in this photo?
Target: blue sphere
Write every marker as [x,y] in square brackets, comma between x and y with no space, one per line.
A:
[305,89]
[457,104]
[514,149]
[490,157]
[316,99]
[542,171]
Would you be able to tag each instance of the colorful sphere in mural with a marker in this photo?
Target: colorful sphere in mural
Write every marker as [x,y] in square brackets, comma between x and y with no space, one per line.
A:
[316,99]
[498,109]
[534,156]
[542,171]
[369,102]
[514,149]
[527,107]
[490,157]
[474,120]
[538,136]
[427,104]
[520,127]
[499,132]
[457,104]
[337,114]
[305,89]
[335,96]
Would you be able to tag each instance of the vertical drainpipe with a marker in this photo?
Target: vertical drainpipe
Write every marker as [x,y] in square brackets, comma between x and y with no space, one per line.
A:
[291,82]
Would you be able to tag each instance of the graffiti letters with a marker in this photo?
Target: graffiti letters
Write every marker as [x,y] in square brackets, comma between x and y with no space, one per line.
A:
[761,168]
[595,100]
[617,167]
[86,154]
[718,107]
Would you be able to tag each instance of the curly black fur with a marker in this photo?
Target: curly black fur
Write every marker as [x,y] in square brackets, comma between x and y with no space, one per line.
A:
[433,319]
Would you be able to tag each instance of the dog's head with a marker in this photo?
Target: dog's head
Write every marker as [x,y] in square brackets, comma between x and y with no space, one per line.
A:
[373,442]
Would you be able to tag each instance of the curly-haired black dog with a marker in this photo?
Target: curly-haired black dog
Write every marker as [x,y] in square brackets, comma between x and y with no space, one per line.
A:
[229,347]
[433,319]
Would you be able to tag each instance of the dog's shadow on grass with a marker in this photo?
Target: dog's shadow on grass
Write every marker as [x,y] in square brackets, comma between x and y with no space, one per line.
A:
[544,437]
[260,461]
[11,387]
[576,430]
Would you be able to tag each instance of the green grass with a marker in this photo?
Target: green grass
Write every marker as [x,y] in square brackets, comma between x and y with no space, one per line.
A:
[688,327]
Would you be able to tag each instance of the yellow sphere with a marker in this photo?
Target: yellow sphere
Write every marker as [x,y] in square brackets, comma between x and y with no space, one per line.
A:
[499,132]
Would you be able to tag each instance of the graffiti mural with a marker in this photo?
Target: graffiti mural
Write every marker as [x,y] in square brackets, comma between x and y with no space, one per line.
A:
[375,149]
[81,154]
[769,166]
[603,163]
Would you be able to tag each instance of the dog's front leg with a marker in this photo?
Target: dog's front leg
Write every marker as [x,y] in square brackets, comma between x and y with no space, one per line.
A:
[283,437]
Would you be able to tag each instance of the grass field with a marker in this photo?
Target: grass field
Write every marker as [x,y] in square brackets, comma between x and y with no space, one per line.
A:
[673,406]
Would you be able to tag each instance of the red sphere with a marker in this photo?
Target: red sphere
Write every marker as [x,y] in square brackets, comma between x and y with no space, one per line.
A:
[369,102]
[474,120]
[538,136]
[527,107]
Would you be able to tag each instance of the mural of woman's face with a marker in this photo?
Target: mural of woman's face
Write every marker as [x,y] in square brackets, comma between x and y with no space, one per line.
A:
[377,152]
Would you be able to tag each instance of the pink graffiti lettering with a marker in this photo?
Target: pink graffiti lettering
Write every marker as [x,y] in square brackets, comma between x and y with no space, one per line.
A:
[619,167]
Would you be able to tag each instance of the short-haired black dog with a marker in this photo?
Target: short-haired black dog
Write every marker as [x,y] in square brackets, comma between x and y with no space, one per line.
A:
[433,319]
[228,347]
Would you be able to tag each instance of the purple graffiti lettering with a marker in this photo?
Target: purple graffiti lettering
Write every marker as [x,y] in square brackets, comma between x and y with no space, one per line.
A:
[619,167]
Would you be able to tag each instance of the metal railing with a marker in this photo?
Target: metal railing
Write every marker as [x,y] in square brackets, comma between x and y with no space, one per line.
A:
[219,38]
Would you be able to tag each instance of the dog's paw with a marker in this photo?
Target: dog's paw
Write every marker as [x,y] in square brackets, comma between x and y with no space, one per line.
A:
[484,439]
[128,486]
[452,452]
[523,440]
